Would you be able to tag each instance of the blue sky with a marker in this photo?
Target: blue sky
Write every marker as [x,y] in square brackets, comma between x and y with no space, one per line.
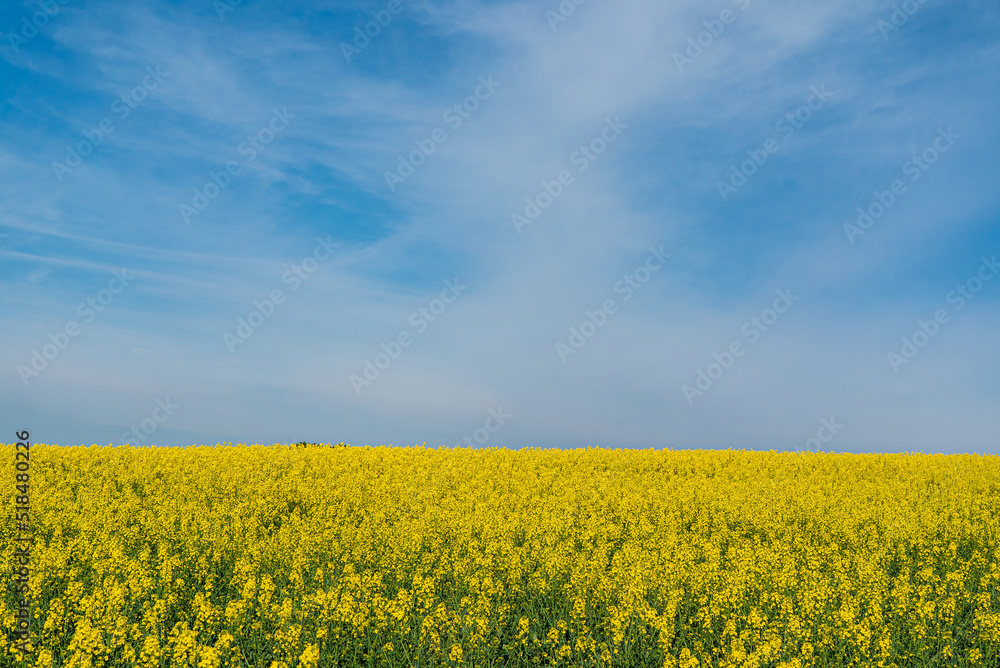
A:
[575,157]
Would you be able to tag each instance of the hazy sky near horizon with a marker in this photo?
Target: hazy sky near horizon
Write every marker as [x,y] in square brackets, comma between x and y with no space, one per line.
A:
[733,224]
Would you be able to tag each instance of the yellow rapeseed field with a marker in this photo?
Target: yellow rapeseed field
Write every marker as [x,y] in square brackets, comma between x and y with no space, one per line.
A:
[289,557]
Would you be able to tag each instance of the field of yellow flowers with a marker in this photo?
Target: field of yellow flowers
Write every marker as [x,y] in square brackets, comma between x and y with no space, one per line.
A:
[289,557]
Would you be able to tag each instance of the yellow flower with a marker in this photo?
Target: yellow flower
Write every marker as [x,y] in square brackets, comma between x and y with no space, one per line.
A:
[44,659]
[686,660]
[456,653]
[522,628]
[310,657]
